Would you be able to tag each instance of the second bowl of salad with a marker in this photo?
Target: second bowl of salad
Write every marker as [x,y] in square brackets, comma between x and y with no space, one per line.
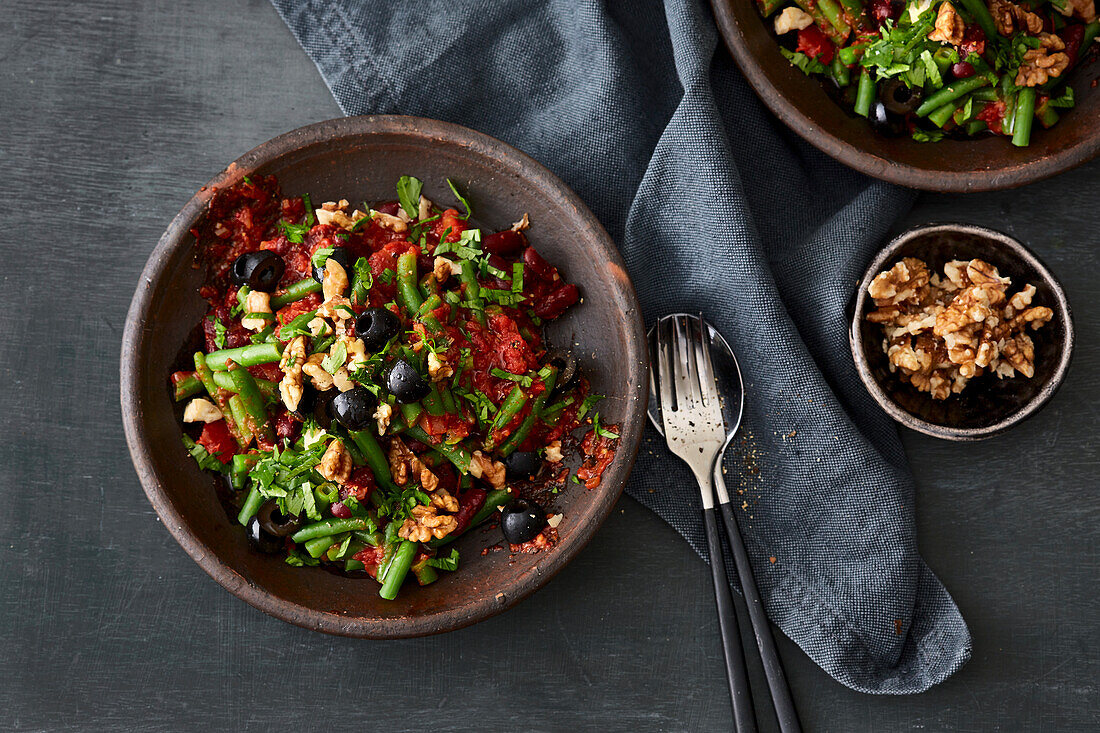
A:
[947,95]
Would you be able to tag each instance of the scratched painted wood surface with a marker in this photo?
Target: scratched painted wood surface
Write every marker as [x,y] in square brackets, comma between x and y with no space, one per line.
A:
[111,115]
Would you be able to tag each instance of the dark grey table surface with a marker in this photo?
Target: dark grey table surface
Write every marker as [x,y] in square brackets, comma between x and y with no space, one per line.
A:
[112,115]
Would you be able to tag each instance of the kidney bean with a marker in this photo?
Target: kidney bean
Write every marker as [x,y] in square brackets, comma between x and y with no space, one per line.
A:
[962,70]
[554,304]
[504,243]
[540,267]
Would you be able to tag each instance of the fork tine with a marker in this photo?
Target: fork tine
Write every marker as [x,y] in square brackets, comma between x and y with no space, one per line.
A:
[687,376]
[708,386]
[665,374]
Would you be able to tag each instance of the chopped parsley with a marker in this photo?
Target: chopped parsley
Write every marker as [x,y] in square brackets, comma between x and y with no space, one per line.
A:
[408,195]
[464,202]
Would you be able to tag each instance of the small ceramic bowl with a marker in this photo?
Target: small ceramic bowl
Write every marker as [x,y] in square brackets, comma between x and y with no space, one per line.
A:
[988,405]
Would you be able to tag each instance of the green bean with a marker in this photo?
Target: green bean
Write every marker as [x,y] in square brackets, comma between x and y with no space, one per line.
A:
[433,402]
[251,505]
[424,572]
[767,7]
[295,291]
[854,8]
[471,290]
[1092,30]
[1047,116]
[449,402]
[950,93]
[397,569]
[202,371]
[455,453]
[429,305]
[374,539]
[238,473]
[513,403]
[246,356]
[254,403]
[974,127]
[941,115]
[406,283]
[240,419]
[267,387]
[318,545]
[849,55]
[980,12]
[1025,116]
[375,458]
[327,528]
[411,412]
[429,286]
[841,73]
[865,94]
[189,386]
[985,95]
[515,440]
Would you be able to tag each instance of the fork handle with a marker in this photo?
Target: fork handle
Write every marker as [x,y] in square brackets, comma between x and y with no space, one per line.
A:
[736,671]
[785,712]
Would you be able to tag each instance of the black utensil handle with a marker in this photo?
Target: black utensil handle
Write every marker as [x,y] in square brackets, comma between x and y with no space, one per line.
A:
[773,668]
[736,672]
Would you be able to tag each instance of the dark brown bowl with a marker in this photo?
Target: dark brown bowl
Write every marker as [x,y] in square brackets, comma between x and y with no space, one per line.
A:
[985,164]
[988,405]
[362,158]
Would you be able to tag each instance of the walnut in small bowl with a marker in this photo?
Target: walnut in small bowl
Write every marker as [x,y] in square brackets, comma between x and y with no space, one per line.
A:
[960,332]
[940,332]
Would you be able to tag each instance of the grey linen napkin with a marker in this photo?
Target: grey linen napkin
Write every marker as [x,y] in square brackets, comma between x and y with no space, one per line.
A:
[717,208]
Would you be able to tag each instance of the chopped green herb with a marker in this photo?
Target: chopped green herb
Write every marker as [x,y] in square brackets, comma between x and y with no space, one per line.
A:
[522,380]
[517,277]
[463,201]
[408,195]
[589,402]
[206,461]
[336,358]
[446,563]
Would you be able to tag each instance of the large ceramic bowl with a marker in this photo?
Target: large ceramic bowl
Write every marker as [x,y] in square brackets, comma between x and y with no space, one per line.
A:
[362,158]
[985,164]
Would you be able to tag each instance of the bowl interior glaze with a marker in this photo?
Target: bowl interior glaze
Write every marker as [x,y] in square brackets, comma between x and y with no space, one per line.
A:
[988,405]
[984,164]
[361,158]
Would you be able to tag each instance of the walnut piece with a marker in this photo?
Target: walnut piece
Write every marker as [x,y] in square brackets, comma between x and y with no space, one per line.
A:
[290,386]
[404,465]
[525,221]
[256,302]
[382,416]
[388,221]
[429,521]
[438,368]
[321,379]
[335,464]
[553,452]
[1010,17]
[942,332]
[335,280]
[949,26]
[424,208]
[1083,9]
[481,466]
[201,409]
[1040,64]
[792,19]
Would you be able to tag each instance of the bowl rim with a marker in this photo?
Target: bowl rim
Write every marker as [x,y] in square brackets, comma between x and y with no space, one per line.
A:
[902,174]
[137,331]
[1030,408]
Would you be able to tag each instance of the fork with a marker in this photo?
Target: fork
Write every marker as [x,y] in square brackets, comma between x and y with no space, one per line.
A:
[695,432]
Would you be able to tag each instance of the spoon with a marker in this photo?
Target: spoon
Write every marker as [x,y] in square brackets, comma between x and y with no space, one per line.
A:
[731,391]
